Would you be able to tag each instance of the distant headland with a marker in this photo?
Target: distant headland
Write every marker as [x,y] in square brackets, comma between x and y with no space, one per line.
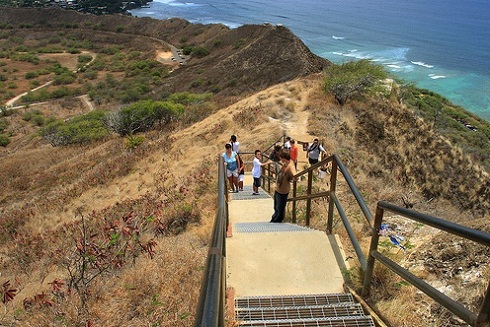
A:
[97,7]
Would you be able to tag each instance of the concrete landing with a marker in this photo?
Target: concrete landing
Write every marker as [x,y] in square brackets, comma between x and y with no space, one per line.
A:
[266,258]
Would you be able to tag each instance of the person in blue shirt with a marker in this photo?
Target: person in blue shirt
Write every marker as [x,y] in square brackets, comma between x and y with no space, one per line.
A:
[231,162]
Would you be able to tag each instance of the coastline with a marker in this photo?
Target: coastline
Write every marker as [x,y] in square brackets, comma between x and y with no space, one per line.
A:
[411,60]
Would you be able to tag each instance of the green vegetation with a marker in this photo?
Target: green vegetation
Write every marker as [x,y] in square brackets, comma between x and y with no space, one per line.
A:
[143,116]
[463,128]
[352,78]
[357,78]
[79,130]
[3,124]
[200,52]
[4,140]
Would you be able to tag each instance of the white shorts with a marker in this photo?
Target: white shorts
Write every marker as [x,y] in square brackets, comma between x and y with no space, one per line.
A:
[241,177]
[230,173]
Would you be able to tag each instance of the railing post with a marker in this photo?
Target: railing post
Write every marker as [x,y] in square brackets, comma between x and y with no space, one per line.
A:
[366,284]
[294,201]
[269,174]
[331,202]
[308,201]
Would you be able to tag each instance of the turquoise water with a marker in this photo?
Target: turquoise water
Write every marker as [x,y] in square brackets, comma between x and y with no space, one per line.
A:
[441,45]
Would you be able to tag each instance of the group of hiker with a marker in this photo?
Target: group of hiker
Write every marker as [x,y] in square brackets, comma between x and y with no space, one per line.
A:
[283,157]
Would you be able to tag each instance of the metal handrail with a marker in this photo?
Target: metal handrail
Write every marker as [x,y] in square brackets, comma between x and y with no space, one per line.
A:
[457,308]
[334,202]
[211,305]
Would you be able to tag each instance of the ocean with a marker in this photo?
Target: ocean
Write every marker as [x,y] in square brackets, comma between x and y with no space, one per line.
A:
[440,45]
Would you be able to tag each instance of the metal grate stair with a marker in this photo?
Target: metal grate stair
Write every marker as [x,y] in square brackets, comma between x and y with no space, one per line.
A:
[334,310]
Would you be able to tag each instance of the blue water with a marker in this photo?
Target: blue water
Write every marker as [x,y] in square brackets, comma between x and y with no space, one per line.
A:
[441,45]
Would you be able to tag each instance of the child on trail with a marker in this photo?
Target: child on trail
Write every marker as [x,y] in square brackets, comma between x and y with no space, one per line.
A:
[257,171]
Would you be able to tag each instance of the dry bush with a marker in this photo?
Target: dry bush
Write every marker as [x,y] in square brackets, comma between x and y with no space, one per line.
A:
[249,117]
[161,291]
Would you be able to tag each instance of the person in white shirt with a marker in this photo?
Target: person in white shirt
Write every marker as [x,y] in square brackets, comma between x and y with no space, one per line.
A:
[235,145]
[287,144]
[257,171]
[314,151]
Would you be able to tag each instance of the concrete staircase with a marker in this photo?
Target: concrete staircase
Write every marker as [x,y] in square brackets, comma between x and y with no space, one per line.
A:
[284,274]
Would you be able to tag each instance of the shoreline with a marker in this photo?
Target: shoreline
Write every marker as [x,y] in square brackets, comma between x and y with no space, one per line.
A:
[465,88]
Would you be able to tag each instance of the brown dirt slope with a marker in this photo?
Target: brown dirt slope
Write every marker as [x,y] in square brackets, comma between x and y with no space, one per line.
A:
[242,60]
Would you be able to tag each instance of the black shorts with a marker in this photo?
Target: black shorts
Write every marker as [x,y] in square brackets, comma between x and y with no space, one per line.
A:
[312,161]
[257,181]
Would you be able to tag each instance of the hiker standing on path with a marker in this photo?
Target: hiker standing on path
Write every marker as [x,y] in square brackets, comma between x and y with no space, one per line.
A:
[257,171]
[241,172]
[235,145]
[284,178]
[313,152]
[287,144]
[274,157]
[293,152]
[231,163]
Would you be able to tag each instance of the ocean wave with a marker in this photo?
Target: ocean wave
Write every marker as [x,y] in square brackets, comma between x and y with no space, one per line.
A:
[174,3]
[434,76]
[353,54]
[421,63]
[338,37]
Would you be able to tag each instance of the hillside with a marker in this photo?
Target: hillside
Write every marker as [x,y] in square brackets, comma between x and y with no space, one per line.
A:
[230,69]
[142,214]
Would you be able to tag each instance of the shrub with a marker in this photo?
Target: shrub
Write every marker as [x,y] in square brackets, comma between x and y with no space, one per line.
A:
[38,120]
[31,75]
[64,79]
[4,140]
[200,52]
[133,141]
[142,115]
[352,78]
[3,124]
[79,130]
[83,59]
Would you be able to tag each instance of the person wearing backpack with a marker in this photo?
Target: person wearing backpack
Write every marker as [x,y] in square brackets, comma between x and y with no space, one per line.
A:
[235,145]
[314,151]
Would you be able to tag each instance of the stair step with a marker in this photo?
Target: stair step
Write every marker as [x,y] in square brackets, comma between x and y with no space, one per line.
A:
[330,310]
[292,301]
[364,321]
[300,312]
